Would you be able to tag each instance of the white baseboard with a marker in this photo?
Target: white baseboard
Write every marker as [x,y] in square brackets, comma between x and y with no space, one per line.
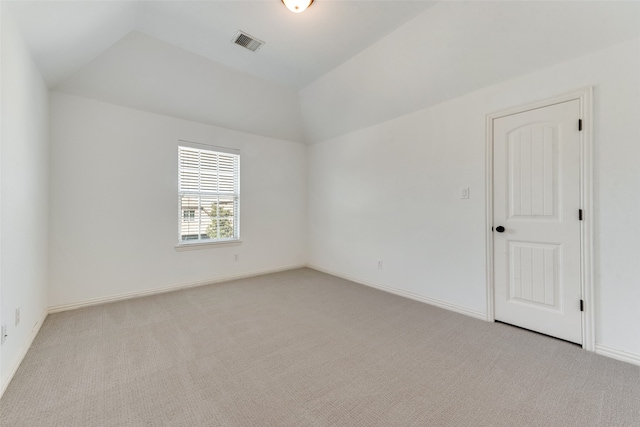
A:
[22,354]
[410,295]
[162,290]
[618,354]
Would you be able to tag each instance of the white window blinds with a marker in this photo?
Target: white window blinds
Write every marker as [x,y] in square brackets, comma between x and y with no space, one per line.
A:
[209,193]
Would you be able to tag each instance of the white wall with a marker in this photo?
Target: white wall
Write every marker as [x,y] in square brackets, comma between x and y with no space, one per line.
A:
[114,204]
[24,197]
[391,192]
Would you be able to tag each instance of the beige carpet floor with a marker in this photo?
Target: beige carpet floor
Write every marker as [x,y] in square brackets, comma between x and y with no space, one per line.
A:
[302,348]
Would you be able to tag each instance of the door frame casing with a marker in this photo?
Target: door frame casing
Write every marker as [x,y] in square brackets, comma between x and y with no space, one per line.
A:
[585,97]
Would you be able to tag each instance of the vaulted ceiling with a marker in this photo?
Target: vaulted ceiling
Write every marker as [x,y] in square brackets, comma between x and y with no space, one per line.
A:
[66,35]
[334,68]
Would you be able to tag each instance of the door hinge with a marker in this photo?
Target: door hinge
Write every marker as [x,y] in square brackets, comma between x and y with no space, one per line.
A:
[580,214]
[579,124]
[581,305]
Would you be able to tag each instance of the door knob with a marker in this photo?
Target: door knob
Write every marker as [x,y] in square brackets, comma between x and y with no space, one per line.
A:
[500,229]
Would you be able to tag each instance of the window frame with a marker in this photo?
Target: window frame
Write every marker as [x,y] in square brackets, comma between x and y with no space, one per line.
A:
[218,194]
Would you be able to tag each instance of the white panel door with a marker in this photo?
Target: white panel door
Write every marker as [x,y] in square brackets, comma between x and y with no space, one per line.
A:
[536,221]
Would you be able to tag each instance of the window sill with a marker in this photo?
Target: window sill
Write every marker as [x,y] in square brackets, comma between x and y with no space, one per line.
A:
[205,245]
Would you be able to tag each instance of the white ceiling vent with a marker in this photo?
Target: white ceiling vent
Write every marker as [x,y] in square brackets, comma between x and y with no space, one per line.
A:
[247,41]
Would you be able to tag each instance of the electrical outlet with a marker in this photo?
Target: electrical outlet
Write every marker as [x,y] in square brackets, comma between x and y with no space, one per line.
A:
[380,264]
[3,334]
[17,316]
[236,258]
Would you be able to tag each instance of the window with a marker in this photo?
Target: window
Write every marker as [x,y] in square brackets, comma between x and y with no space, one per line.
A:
[208,193]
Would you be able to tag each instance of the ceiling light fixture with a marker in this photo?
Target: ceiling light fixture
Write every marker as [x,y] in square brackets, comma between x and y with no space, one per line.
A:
[297,6]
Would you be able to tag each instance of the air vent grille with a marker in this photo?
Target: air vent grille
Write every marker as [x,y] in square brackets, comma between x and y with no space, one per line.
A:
[247,41]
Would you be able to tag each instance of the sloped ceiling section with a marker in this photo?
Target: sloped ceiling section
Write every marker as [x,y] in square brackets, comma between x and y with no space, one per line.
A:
[454,48]
[63,36]
[114,51]
[147,74]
